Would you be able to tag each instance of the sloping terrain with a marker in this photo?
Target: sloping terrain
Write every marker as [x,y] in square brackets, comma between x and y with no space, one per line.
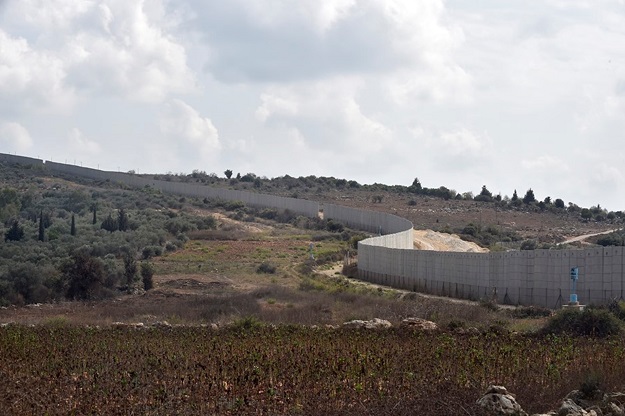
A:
[246,261]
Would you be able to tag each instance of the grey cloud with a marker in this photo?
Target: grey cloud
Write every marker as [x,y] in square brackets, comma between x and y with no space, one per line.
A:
[244,49]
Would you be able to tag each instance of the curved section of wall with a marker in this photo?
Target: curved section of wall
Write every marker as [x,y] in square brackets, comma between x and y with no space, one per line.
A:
[537,277]
[394,231]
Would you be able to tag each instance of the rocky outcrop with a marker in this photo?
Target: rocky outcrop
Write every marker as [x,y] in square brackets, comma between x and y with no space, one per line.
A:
[570,408]
[418,323]
[578,403]
[375,323]
[498,401]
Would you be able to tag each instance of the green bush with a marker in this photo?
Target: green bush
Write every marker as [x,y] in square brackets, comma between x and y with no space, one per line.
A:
[529,245]
[591,386]
[247,323]
[151,251]
[147,274]
[598,323]
[266,268]
[617,308]
[530,312]
[489,304]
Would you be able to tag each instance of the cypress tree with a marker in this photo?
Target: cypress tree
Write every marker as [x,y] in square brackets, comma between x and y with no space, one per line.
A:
[110,224]
[94,208]
[15,233]
[42,235]
[122,222]
[73,227]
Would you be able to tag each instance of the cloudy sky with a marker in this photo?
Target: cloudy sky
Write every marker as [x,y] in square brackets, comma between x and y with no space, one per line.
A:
[507,94]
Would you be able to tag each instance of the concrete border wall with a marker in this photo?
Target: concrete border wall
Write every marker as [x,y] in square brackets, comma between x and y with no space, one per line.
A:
[394,231]
[299,206]
[539,277]
[20,160]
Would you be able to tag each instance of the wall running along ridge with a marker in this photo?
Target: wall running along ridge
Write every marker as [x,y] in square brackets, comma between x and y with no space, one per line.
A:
[538,277]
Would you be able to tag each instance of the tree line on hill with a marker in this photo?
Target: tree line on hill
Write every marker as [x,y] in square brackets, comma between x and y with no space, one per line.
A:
[296,187]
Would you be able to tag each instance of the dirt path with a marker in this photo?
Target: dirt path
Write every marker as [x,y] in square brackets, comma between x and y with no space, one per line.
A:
[585,236]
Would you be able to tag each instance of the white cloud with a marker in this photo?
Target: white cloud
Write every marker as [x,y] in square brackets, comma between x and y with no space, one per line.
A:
[182,124]
[81,145]
[274,104]
[113,47]
[605,175]
[463,143]
[326,114]
[545,164]
[15,137]
[30,79]
[131,55]
[277,41]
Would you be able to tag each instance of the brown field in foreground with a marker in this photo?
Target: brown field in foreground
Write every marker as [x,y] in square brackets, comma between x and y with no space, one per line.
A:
[248,368]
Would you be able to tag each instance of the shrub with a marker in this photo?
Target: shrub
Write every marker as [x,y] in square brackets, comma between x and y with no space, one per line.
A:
[353,241]
[529,245]
[617,308]
[350,270]
[110,224]
[590,322]
[15,232]
[590,388]
[266,268]
[489,304]
[205,223]
[130,269]
[151,251]
[612,239]
[530,312]
[179,225]
[247,323]
[147,274]
[84,274]
[455,324]
[335,227]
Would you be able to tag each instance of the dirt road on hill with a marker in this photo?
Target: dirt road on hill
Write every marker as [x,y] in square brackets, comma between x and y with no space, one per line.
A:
[581,238]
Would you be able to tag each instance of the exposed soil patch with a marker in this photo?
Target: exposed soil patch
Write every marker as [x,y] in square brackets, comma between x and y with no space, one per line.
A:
[254,228]
[432,240]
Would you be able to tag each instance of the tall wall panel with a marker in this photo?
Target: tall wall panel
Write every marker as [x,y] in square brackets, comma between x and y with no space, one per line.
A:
[20,160]
[299,206]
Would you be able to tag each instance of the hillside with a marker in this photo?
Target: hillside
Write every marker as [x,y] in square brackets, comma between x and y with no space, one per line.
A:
[548,221]
[195,249]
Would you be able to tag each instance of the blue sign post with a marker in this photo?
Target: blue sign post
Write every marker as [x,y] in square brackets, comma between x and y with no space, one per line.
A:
[574,278]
